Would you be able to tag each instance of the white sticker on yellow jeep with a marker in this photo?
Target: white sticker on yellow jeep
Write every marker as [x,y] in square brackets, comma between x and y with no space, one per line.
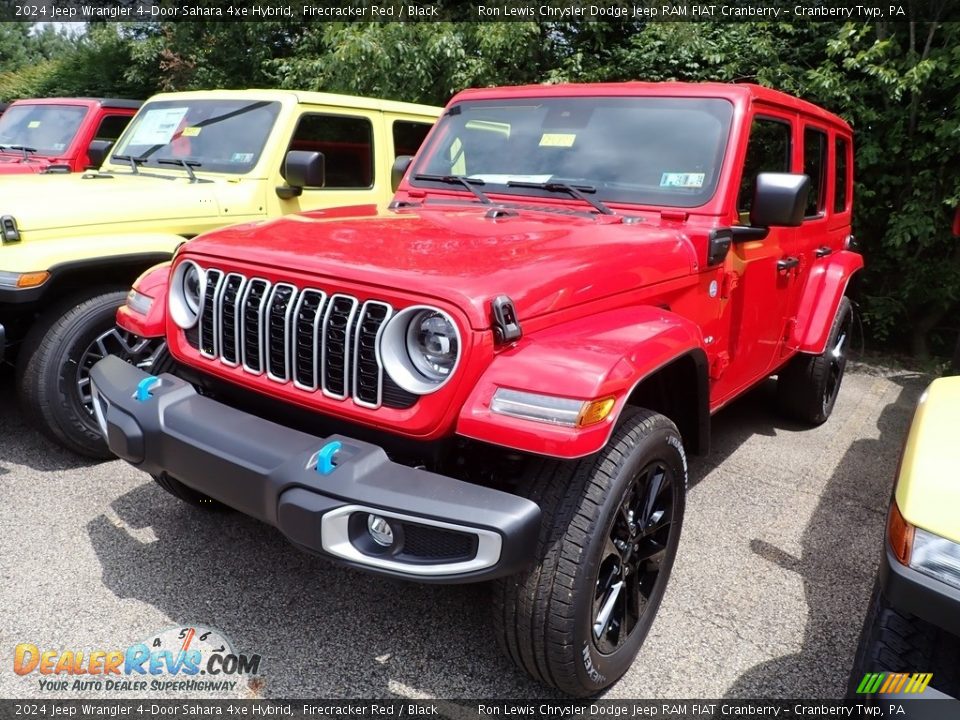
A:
[156,127]
[33,124]
[682,180]
[557,140]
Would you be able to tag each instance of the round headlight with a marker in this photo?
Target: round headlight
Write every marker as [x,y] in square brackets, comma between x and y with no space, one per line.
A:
[186,294]
[432,344]
[420,349]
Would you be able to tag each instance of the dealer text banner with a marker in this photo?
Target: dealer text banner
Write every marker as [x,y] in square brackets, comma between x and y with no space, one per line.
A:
[905,709]
[625,11]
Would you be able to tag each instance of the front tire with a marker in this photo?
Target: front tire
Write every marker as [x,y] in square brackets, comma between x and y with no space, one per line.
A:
[54,364]
[609,536]
[895,641]
[807,387]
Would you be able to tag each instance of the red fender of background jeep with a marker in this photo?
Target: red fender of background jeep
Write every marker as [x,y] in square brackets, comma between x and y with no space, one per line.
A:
[152,283]
[603,355]
[821,298]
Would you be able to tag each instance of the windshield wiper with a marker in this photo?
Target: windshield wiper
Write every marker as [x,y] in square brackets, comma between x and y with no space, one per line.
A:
[576,191]
[187,165]
[22,148]
[467,182]
[134,161]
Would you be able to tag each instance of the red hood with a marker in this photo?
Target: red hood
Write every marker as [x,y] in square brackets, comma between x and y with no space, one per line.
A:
[545,261]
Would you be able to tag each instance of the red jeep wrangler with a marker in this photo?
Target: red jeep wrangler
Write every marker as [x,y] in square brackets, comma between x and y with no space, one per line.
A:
[58,134]
[498,377]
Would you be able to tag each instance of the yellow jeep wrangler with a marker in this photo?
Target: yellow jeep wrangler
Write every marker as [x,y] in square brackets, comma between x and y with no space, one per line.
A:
[188,162]
[910,642]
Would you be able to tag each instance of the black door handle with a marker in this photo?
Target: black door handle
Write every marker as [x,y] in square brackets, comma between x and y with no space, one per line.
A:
[823,251]
[787,263]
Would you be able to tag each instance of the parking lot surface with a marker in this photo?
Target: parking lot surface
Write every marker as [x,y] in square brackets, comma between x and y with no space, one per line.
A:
[776,561]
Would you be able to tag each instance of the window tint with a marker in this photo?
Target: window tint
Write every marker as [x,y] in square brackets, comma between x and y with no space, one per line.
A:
[408,136]
[346,144]
[815,165]
[767,151]
[840,183]
[111,127]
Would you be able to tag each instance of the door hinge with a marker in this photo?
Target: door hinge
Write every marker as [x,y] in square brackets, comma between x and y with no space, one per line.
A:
[730,281]
[719,365]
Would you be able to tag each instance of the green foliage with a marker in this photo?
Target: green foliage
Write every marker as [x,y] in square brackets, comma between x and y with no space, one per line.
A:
[423,62]
[93,64]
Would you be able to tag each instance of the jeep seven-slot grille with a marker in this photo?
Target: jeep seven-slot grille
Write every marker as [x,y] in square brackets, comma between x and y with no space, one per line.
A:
[313,339]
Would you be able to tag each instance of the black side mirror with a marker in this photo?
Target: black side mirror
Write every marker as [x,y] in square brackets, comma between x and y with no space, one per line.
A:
[779,199]
[399,169]
[302,168]
[98,151]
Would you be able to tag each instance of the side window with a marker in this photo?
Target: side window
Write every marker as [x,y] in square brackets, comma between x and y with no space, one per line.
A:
[111,126]
[408,136]
[841,192]
[346,144]
[815,165]
[767,151]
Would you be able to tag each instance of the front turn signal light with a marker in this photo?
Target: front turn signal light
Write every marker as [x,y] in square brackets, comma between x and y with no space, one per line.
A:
[900,534]
[32,279]
[595,411]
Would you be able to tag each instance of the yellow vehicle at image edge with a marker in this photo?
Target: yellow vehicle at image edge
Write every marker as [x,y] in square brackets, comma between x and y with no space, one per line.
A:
[188,162]
[913,620]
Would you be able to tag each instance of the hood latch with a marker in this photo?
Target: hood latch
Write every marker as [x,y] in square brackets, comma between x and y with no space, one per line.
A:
[506,327]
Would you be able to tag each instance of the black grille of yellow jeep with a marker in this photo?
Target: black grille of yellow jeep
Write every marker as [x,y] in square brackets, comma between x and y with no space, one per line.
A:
[316,340]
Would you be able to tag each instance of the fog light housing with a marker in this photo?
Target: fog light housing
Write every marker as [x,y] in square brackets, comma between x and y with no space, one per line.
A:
[379,530]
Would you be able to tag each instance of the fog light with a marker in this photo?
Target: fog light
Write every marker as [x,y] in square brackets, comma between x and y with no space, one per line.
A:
[380,530]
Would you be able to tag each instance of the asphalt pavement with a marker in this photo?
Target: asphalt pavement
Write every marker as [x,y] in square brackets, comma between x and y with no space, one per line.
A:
[776,562]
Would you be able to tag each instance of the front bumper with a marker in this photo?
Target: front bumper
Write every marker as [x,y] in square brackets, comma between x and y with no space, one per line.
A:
[919,594]
[446,530]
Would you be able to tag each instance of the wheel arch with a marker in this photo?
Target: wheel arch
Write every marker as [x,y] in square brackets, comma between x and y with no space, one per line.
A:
[679,390]
[820,301]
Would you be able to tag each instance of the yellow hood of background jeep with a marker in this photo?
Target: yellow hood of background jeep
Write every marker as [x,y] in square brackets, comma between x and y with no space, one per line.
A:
[45,203]
[928,491]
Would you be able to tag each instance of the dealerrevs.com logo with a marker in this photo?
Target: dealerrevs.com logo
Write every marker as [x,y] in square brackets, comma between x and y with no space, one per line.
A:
[181,659]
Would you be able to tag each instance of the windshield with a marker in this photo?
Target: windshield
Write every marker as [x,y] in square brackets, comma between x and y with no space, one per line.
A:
[646,150]
[48,129]
[212,135]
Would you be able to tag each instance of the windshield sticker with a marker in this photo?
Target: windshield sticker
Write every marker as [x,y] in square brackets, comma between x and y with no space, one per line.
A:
[156,127]
[241,157]
[682,180]
[33,124]
[557,140]
[192,131]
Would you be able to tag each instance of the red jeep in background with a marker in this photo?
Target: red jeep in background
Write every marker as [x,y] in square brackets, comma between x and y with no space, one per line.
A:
[58,134]
[498,378]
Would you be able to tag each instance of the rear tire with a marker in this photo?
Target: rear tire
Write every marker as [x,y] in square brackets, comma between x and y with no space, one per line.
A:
[807,387]
[612,519]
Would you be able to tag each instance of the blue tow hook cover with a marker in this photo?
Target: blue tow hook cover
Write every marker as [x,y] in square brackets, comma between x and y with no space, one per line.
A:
[145,386]
[325,457]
